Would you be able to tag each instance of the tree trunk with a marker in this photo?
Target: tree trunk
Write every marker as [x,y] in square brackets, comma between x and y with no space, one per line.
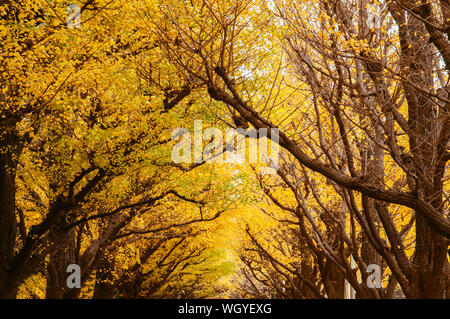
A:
[428,278]
[8,165]
[334,281]
[60,258]
[103,288]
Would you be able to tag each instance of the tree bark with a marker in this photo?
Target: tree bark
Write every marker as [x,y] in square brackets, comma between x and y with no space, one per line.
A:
[428,278]
[60,258]
[8,165]
[104,288]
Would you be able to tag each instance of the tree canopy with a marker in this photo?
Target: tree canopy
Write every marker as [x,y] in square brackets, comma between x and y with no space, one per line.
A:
[351,97]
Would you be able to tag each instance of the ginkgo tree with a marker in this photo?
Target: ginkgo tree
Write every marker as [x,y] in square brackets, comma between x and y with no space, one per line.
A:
[375,122]
[86,167]
[354,92]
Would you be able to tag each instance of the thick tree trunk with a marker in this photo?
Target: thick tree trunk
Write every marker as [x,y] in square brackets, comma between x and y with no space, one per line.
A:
[429,275]
[428,279]
[369,254]
[8,164]
[334,281]
[104,288]
[60,258]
